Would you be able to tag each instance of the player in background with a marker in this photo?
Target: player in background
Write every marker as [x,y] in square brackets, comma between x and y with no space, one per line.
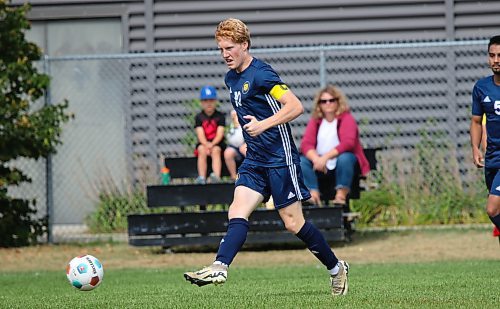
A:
[486,100]
[264,106]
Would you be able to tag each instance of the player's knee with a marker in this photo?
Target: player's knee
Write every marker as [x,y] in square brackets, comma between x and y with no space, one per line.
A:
[233,213]
[293,226]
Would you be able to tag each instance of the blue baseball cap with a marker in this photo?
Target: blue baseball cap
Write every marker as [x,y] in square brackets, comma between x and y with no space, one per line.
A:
[208,93]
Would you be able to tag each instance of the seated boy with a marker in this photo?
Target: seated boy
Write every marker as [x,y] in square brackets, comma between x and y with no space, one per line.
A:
[209,127]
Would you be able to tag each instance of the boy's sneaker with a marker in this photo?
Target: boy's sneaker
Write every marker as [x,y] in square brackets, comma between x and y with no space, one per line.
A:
[339,281]
[200,180]
[214,178]
[215,274]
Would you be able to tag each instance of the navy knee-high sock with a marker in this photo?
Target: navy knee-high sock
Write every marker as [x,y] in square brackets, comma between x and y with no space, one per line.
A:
[317,244]
[236,235]
[496,221]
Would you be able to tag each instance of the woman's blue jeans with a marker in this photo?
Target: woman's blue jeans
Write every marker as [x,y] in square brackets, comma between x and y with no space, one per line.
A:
[343,172]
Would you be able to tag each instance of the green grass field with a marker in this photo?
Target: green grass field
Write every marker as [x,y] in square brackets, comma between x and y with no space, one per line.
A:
[473,284]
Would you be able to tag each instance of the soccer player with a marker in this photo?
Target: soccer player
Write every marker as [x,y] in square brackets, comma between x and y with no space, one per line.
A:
[486,100]
[264,105]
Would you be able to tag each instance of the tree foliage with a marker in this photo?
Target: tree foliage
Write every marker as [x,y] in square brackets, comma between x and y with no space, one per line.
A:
[25,131]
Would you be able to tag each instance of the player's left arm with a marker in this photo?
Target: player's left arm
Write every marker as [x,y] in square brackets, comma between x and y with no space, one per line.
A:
[483,135]
[291,109]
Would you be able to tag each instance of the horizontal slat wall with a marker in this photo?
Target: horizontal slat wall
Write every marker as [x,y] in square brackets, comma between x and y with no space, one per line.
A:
[476,19]
[189,24]
[181,25]
[393,90]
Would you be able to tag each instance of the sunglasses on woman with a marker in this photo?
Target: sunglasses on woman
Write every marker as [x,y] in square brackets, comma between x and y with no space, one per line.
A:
[324,101]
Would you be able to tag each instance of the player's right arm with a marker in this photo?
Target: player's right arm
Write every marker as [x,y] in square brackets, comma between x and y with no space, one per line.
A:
[476,130]
[476,126]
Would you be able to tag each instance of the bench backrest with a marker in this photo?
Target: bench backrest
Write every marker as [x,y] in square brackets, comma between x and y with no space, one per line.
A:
[190,194]
[186,167]
[370,154]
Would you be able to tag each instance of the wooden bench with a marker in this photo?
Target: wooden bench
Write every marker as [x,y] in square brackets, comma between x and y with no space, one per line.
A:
[186,223]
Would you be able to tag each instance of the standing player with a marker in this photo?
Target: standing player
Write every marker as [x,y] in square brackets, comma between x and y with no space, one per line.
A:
[486,100]
[264,105]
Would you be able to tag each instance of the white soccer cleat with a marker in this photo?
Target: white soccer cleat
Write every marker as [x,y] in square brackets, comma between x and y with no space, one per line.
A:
[339,282]
[213,274]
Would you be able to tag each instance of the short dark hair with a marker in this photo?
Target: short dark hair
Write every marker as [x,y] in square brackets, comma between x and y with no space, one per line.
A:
[495,40]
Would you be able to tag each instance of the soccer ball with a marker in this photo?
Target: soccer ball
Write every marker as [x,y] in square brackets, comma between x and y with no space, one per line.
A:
[85,272]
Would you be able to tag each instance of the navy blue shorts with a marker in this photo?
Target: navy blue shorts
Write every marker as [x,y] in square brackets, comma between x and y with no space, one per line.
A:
[492,178]
[285,184]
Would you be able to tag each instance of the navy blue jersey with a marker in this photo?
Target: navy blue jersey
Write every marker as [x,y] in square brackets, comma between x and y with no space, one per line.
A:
[486,100]
[250,93]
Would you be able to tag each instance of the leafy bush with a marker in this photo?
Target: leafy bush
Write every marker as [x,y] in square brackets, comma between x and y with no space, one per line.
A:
[25,131]
[114,200]
[112,210]
[423,186]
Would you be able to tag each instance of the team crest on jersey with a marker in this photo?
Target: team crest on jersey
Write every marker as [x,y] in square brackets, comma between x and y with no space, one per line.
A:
[246,87]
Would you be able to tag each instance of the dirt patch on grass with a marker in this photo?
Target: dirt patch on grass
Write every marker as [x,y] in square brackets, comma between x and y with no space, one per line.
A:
[367,247]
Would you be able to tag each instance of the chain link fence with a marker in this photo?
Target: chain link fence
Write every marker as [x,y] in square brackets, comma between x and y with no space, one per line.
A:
[131,108]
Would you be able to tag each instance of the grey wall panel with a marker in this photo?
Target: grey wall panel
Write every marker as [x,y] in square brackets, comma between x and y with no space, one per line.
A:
[190,25]
[476,19]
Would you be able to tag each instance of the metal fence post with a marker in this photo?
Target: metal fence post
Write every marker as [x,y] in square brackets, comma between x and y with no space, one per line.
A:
[48,167]
[322,67]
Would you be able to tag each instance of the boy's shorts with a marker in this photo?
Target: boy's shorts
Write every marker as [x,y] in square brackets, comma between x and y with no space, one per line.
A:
[239,156]
[492,179]
[285,184]
[222,146]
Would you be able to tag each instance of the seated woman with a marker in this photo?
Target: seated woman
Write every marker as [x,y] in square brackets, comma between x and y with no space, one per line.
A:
[331,146]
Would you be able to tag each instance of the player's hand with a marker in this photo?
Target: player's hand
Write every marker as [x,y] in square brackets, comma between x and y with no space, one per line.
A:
[253,127]
[478,158]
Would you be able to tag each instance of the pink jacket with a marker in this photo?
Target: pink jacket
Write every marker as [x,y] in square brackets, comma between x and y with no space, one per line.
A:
[347,130]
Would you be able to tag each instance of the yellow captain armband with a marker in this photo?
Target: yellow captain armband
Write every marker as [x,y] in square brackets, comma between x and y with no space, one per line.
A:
[484,119]
[278,91]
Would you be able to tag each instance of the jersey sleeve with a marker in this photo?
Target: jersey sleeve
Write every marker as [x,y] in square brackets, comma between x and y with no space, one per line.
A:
[477,108]
[269,82]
